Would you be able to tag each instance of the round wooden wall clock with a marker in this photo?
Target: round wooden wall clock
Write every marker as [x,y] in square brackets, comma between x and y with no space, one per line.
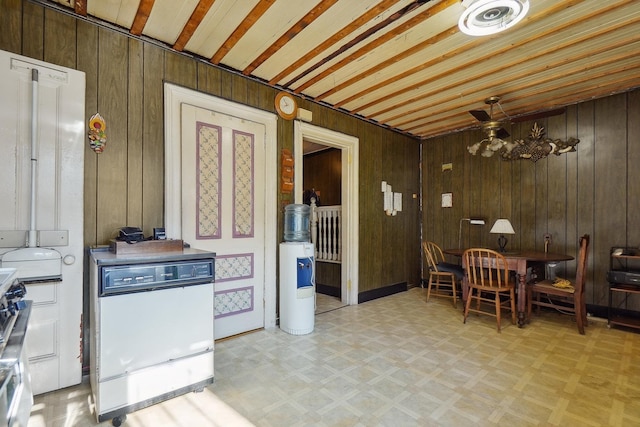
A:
[286,106]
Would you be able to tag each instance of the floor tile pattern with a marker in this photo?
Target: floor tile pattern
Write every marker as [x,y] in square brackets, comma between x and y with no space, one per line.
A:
[399,361]
[325,303]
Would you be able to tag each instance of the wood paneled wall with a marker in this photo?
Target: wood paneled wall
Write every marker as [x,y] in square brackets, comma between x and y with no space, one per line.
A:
[323,172]
[595,190]
[124,185]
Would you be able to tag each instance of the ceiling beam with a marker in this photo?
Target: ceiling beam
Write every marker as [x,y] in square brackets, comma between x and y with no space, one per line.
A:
[248,22]
[337,37]
[538,69]
[313,14]
[402,28]
[190,27]
[142,15]
[80,7]
[451,54]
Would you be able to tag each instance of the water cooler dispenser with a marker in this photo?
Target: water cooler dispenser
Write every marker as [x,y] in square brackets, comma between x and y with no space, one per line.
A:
[297,272]
[297,287]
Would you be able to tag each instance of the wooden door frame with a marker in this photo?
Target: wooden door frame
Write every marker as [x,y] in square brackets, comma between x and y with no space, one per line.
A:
[349,148]
[174,96]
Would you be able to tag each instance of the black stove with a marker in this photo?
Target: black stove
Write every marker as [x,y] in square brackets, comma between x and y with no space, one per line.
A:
[12,293]
[15,383]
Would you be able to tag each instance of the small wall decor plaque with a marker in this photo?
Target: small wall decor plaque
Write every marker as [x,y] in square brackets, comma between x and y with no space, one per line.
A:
[97,135]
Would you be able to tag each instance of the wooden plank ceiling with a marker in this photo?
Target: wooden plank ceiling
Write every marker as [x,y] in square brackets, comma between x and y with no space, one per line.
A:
[403,64]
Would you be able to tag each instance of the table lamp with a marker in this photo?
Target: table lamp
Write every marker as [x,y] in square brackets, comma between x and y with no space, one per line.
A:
[472,221]
[502,227]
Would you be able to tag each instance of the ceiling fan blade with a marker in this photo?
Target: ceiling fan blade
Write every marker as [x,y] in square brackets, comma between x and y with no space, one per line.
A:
[502,133]
[538,115]
[480,115]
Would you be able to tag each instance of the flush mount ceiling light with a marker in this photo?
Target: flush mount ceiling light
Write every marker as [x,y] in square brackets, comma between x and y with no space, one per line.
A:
[484,17]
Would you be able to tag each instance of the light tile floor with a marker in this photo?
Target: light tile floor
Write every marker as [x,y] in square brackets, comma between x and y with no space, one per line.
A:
[326,303]
[399,361]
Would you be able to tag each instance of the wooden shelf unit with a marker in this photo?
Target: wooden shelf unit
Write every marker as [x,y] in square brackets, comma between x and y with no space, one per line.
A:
[627,260]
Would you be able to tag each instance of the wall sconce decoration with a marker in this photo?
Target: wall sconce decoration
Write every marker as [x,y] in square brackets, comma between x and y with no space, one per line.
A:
[392,201]
[535,146]
[97,135]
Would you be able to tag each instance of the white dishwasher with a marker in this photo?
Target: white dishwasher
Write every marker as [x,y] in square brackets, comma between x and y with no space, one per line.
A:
[152,328]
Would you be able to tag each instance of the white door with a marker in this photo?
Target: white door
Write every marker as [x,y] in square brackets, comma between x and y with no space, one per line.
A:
[223,209]
[54,335]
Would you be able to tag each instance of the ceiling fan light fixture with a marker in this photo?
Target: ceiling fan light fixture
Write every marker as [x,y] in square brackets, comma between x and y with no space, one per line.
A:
[484,17]
[496,144]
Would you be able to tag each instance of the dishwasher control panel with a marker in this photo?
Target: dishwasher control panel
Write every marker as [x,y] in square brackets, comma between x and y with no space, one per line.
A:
[119,279]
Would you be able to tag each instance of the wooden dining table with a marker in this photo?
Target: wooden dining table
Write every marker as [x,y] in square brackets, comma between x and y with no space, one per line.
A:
[517,262]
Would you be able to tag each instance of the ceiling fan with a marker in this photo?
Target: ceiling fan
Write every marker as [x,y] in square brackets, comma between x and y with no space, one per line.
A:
[493,128]
[496,133]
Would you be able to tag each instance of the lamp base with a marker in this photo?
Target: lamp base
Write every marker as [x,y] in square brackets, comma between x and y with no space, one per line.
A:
[502,243]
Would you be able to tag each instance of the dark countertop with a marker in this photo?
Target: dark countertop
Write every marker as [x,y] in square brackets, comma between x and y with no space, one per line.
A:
[103,256]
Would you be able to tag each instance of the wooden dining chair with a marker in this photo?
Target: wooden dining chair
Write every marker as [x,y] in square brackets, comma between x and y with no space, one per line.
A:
[569,298]
[444,277]
[490,288]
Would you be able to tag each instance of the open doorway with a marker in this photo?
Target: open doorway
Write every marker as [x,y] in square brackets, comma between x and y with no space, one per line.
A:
[322,184]
[348,146]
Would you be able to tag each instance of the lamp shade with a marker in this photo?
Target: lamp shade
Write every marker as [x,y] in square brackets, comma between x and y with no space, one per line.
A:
[502,226]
